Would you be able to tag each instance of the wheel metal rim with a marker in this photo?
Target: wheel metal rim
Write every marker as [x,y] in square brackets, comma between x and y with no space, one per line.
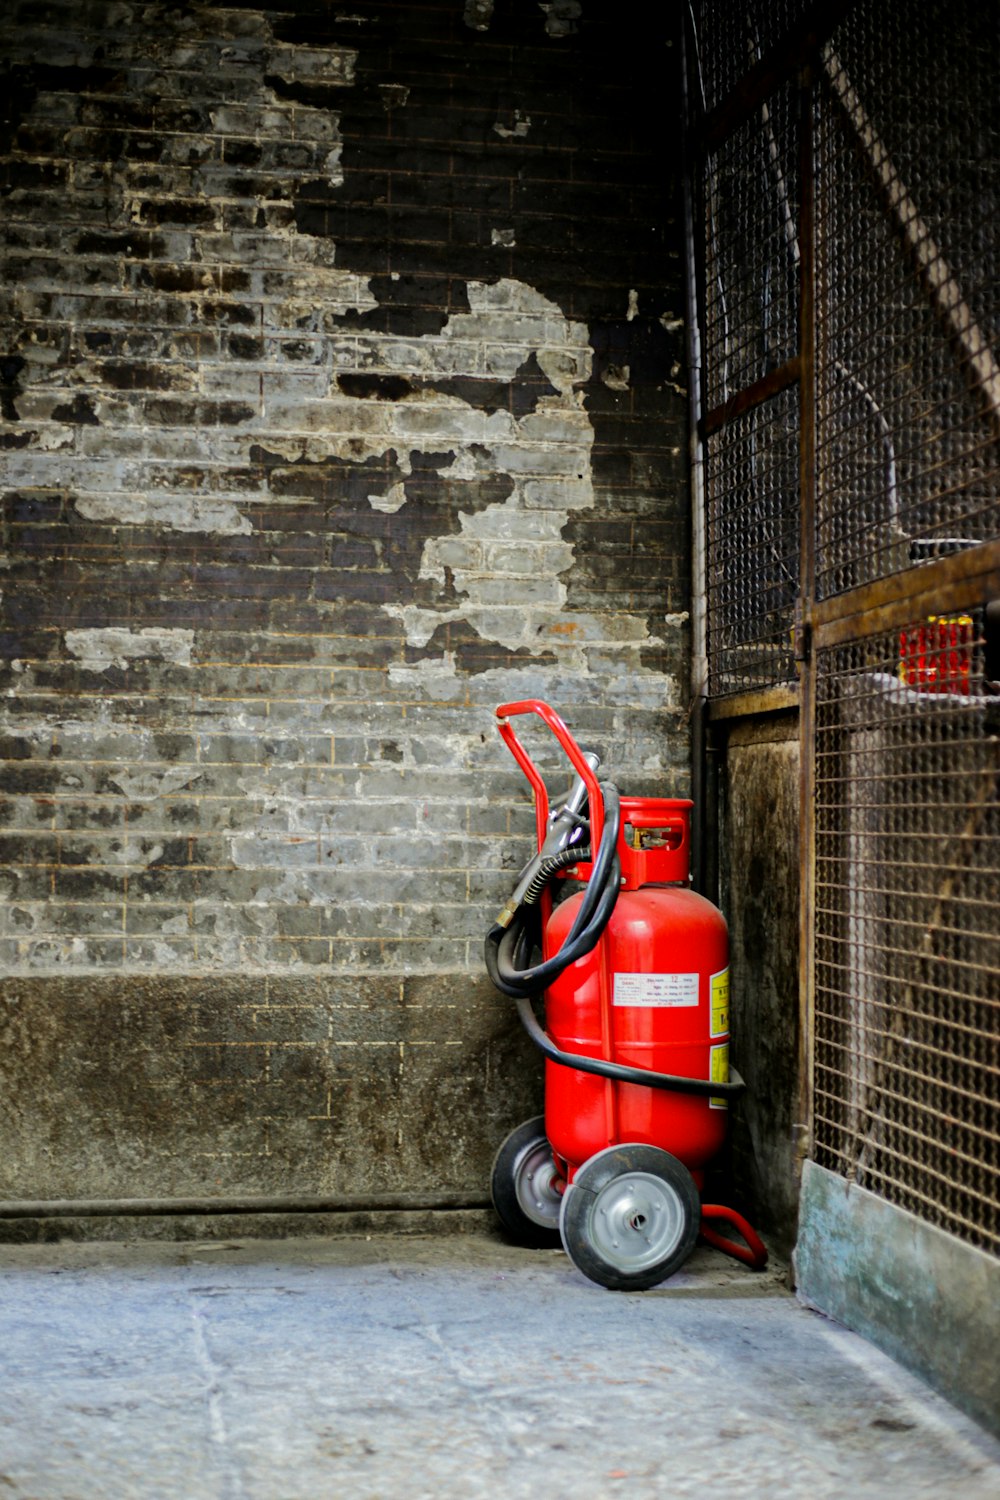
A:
[535,1178]
[637,1220]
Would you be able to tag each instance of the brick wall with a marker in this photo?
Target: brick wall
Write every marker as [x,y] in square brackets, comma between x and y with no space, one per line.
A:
[341,400]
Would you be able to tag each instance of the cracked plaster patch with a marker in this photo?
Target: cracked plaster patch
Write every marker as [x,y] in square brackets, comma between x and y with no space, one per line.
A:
[114,646]
[173,512]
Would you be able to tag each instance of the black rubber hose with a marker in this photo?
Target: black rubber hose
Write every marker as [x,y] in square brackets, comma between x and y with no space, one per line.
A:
[551,866]
[515,946]
[620,1071]
[507,949]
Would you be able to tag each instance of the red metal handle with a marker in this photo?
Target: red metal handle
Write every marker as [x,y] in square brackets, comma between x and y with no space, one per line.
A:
[753,1253]
[652,818]
[548,715]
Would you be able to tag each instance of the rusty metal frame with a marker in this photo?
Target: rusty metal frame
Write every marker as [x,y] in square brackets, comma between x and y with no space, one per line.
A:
[776,67]
[931,587]
[762,390]
[942,584]
[761,701]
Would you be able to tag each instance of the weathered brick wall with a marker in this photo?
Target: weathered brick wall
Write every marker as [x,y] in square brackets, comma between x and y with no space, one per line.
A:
[340,402]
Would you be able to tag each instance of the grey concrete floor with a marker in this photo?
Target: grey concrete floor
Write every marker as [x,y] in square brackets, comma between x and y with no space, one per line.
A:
[444,1366]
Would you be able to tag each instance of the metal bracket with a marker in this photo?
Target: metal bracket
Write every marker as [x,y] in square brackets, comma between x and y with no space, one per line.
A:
[801,634]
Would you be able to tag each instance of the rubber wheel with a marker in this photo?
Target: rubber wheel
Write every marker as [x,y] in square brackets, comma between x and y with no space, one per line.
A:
[523,1186]
[630,1217]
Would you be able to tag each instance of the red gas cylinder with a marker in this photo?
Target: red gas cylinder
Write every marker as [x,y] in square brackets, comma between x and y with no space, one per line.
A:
[653,994]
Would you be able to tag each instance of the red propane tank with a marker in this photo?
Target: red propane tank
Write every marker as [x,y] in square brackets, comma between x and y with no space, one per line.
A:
[654,994]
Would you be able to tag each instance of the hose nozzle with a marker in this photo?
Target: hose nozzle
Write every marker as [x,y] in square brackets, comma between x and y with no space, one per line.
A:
[562,846]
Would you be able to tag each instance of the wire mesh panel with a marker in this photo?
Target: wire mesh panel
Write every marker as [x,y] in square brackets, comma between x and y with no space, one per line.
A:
[908,290]
[751,476]
[880,270]
[752,251]
[732,36]
[907,967]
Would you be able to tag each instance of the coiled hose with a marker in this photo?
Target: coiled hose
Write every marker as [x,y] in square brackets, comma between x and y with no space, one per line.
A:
[508,951]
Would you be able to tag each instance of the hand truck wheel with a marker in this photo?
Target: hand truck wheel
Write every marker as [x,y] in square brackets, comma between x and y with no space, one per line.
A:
[523,1186]
[630,1217]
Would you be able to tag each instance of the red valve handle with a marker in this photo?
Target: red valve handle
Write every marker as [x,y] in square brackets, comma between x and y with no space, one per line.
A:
[549,717]
[669,818]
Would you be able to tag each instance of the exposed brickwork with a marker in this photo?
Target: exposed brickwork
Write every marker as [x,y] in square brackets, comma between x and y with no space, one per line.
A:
[338,402]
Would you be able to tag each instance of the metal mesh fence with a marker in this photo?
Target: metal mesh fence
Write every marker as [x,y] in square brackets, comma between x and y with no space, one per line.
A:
[907,967]
[751,476]
[908,290]
[752,261]
[735,34]
[904,115]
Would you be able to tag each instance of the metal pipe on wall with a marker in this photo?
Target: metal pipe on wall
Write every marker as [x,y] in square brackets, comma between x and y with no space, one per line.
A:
[701,820]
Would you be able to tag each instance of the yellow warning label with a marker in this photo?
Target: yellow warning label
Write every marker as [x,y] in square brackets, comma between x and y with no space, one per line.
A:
[718,1072]
[720,1003]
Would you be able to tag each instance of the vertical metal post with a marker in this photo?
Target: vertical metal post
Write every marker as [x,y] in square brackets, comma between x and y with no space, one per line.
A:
[804,614]
[704,826]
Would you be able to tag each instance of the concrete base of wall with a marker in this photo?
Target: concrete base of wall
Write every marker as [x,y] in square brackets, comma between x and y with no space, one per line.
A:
[926,1298]
[232,1224]
[307,1091]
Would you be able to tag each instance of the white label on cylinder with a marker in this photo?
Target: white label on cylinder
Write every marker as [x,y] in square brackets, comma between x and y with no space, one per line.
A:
[656,989]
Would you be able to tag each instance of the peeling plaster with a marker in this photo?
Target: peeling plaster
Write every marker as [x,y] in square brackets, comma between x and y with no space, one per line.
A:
[520,128]
[561,16]
[134,854]
[616,377]
[501,573]
[314,65]
[515,321]
[657,692]
[173,512]
[394,95]
[390,502]
[113,646]
[52,442]
[518,461]
[478,14]
[462,466]
[145,785]
[440,677]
